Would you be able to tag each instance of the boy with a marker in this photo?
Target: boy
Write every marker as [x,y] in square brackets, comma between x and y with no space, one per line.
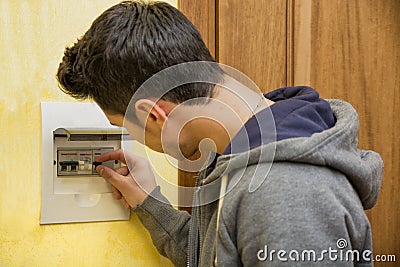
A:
[285,191]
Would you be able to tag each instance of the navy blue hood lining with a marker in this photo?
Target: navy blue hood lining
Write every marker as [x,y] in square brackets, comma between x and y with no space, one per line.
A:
[298,112]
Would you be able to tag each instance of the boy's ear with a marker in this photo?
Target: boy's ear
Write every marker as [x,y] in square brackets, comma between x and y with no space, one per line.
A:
[149,111]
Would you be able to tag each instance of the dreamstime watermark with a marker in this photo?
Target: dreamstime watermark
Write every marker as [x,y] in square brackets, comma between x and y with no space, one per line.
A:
[339,253]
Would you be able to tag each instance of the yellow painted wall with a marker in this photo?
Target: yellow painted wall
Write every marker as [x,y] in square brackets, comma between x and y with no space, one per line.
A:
[33,35]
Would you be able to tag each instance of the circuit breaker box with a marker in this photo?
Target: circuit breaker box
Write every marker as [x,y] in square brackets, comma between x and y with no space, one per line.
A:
[73,136]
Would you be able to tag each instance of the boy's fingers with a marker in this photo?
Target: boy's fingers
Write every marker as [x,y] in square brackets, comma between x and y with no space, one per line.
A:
[115,179]
[123,171]
[110,175]
[125,203]
[116,192]
[113,155]
[130,159]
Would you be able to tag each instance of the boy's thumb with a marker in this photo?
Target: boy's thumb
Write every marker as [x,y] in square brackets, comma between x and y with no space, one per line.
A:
[109,174]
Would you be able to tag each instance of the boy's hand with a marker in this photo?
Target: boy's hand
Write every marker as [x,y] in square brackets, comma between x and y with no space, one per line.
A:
[131,188]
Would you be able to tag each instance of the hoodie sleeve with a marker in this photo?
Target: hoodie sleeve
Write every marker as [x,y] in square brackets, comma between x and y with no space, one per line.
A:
[292,211]
[168,227]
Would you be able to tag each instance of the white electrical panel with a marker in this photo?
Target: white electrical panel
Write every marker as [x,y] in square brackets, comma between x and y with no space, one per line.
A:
[73,136]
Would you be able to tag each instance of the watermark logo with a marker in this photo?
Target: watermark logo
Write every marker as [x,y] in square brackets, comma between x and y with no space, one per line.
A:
[229,81]
[341,243]
[332,254]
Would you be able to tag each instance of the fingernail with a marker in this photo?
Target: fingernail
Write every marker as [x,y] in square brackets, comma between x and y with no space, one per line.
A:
[101,170]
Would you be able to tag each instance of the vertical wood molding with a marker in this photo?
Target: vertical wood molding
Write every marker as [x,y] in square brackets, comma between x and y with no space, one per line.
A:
[302,42]
[289,42]
[212,28]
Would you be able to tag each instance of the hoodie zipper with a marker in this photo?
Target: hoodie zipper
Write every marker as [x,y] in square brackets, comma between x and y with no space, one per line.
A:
[224,182]
[193,244]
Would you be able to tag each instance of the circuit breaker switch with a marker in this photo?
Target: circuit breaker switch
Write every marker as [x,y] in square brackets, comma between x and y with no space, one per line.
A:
[80,161]
[81,165]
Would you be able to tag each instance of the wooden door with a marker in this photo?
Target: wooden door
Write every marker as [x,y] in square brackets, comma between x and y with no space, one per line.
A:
[344,49]
[351,50]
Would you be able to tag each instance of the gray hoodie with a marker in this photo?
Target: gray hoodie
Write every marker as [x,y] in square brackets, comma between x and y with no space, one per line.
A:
[308,211]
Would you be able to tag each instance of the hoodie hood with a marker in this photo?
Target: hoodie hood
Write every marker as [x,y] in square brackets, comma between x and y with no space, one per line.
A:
[298,111]
[334,148]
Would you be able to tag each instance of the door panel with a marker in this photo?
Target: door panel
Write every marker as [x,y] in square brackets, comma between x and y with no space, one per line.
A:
[251,37]
[351,50]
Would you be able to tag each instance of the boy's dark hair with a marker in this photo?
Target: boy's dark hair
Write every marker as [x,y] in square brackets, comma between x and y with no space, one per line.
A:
[126,45]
